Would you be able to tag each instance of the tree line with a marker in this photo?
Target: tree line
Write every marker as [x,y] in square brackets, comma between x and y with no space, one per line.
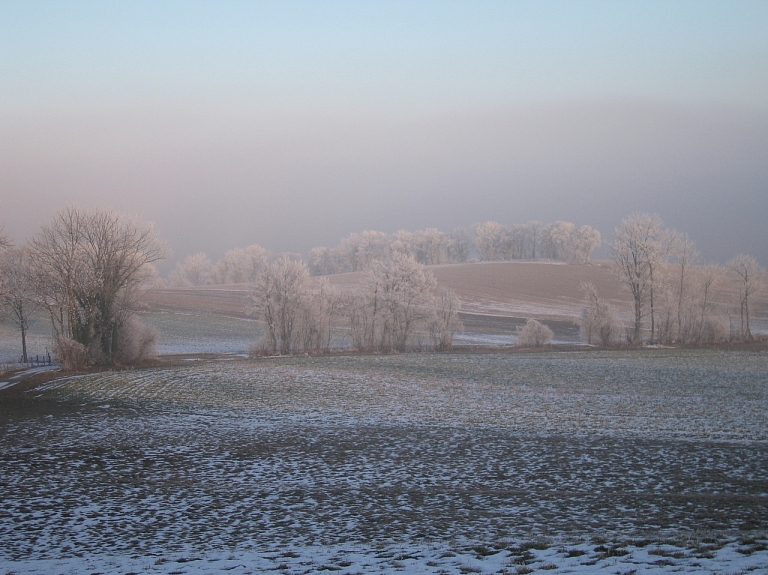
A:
[87,270]
[398,305]
[672,291]
[489,241]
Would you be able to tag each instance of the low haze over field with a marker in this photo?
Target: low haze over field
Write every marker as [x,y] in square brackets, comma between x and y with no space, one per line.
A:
[293,124]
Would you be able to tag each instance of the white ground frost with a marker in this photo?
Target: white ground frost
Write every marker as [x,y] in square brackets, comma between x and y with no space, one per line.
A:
[594,462]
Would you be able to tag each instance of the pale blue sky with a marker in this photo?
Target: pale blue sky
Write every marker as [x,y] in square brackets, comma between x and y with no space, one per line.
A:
[407,54]
[292,124]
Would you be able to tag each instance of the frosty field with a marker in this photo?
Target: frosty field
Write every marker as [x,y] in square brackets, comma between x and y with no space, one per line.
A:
[615,462]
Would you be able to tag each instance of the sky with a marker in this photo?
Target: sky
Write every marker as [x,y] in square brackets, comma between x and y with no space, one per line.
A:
[292,124]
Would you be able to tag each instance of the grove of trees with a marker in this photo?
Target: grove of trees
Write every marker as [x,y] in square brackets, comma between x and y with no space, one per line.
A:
[398,303]
[671,292]
[493,241]
[86,269]
[559,241]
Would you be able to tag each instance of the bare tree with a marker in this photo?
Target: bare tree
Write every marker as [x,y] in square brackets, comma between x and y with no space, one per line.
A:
[707,329]
[395,302]
[534,231]
[445,319]
[458,247]
[5,241]
[278,297]
[684,255]
[18,291]
[89,267]
[534,334]
[750,279]
[637,250]
[195,270]
[489,239]
[598,320]
[330,303]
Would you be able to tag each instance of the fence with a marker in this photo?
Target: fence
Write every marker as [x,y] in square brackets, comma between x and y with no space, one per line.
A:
[38,360]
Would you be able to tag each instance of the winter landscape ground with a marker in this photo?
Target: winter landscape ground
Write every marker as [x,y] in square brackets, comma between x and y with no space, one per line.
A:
[484,461]
[615,462]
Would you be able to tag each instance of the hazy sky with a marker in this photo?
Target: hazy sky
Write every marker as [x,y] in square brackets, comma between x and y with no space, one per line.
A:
[292,124]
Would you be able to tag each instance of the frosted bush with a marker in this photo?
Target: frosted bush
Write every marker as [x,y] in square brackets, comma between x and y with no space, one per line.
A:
[534,334]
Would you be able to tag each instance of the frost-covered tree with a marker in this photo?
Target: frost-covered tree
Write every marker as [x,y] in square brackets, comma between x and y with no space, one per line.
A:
[278,297]
[195,270]
[240,265]
[557,241]
[750,276]
[349,252]
[489,239]
[640,247]
[373,247]
[395,301]
[402,242]
[430,247]
[17,290]
[90,267]
[459,246]
[534,334]
[584,241]
[320,262]
[444,321]
[598,321]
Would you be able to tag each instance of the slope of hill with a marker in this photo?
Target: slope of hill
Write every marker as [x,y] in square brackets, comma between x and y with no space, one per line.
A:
[519,289]
[495,296]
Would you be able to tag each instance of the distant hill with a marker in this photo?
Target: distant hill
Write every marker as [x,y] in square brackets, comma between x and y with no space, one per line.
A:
[503,294]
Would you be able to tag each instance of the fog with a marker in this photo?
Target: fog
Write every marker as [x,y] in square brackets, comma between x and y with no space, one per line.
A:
[214,178]
[293,124]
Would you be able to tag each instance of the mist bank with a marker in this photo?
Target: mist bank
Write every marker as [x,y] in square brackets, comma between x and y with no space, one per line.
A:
[214,176]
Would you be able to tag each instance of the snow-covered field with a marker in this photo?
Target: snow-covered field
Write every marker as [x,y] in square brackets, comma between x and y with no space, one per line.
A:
[613,462]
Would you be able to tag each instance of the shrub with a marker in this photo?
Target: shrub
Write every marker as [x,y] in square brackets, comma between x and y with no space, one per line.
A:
[534,334]
[136,342]
[71,354]
[262,348]
[713,331]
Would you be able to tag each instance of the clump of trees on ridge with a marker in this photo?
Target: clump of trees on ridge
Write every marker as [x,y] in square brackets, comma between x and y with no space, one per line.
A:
[560,241]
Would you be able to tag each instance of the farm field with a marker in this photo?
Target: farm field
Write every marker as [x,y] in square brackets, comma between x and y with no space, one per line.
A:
[614,462]
[496,297]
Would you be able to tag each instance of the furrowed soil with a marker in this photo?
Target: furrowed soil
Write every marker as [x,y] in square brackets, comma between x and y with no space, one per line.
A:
[377,451]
